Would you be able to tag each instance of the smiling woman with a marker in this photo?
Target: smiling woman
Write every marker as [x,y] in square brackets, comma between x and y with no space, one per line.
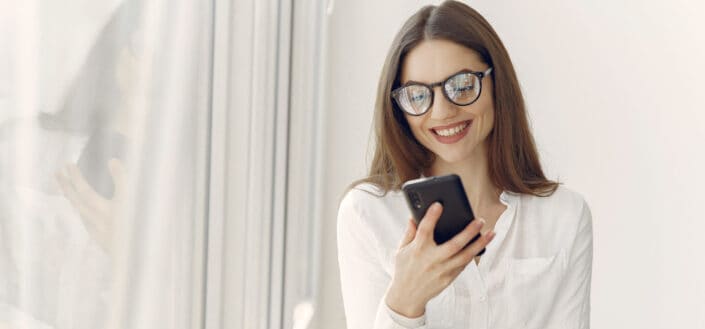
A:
[536,271]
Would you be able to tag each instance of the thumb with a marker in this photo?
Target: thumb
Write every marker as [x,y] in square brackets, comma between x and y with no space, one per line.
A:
[409,234]
[117,170]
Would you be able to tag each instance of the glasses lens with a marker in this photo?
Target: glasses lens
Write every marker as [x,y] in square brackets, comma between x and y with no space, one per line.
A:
[414,99]
[463,88]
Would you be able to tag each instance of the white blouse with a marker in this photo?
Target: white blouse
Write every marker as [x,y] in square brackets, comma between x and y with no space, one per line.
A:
[535,273]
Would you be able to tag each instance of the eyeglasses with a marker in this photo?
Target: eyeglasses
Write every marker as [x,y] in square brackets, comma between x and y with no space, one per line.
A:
[462,88]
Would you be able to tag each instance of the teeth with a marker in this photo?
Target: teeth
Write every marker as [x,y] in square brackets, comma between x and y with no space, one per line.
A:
[451,131]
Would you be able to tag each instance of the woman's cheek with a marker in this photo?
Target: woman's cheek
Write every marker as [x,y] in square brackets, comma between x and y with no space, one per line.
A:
[416,130]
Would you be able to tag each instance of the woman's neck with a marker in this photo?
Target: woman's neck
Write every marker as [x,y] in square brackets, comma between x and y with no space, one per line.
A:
[474,172]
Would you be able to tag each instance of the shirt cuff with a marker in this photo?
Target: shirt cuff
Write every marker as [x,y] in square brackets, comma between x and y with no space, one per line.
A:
[409,323]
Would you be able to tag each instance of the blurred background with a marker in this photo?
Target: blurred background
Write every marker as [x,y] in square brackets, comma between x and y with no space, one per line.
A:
[178,164]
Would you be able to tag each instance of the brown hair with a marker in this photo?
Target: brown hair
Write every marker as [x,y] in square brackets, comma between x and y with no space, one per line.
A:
[512,157]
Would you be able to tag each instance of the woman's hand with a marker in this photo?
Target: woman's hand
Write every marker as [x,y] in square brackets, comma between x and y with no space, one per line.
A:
[423,268]
[98,213]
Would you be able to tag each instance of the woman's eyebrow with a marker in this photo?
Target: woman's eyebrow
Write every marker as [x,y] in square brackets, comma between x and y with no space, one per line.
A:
[411,82]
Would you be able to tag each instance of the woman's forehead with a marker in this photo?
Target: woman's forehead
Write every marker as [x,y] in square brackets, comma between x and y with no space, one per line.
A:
[434,60]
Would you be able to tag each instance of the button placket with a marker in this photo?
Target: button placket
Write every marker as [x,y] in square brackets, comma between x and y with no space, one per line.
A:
[478,300]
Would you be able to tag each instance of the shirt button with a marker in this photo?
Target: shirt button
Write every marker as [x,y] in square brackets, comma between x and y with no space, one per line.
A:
[483,298]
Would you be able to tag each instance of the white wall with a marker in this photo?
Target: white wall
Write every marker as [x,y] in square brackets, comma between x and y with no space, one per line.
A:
[614,91]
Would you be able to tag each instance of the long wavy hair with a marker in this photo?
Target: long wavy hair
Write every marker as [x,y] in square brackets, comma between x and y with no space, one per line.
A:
[512,157]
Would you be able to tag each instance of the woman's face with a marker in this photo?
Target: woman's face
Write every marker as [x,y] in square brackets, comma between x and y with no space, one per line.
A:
[433,61]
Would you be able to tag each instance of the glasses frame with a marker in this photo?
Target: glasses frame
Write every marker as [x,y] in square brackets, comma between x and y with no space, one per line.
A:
[442,84]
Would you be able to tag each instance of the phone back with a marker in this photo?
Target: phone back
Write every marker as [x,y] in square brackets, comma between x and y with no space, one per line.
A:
[449,191]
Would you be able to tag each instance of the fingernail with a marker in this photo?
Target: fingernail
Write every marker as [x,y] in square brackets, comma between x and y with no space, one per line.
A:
[480,222]
[436,206]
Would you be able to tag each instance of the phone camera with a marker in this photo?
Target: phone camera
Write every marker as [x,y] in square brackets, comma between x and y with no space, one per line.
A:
[415,200]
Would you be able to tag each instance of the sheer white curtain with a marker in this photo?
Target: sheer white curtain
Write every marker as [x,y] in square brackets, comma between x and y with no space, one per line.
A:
[104,148]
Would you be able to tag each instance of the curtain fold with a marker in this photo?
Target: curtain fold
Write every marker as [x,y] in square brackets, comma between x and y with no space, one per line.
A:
[104,129]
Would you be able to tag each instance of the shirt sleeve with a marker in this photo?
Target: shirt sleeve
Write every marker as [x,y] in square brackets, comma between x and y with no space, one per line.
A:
[575,295]
[363,280]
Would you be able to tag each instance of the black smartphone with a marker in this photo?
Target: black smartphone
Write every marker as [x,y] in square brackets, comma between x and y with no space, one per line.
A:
[448,190]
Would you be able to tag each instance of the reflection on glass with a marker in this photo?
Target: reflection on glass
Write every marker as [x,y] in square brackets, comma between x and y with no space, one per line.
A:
[100,197]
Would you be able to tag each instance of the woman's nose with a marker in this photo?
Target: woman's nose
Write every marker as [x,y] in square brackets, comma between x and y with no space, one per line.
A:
[442,108]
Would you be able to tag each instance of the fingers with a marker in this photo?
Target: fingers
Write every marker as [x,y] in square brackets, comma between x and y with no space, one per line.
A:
[460,240]
[117,171]
[88,215]
[428,223]
[84,190]
[79,193]
[464,257]
[409,234]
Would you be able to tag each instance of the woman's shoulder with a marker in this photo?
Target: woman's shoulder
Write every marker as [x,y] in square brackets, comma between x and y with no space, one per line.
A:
[369,213]
[568,196]
[368,189]
[561,215]
[362,196]
[563,200]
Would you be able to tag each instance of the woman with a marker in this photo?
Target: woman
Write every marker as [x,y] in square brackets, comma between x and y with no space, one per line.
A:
[449,101]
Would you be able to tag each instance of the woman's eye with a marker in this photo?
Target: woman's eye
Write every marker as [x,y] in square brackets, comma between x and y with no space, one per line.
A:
[461,89]
[418,97]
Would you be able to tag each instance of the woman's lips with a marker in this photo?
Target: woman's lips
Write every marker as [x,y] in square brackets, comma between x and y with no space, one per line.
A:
[452,133]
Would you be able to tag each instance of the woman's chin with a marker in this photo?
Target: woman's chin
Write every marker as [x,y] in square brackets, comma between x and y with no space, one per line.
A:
[452,157]
[456,155]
